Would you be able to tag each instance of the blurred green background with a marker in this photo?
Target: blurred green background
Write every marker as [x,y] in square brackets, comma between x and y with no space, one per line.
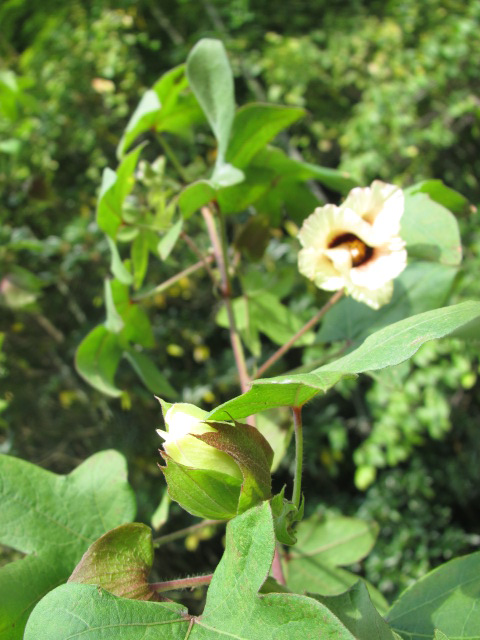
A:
[391,92]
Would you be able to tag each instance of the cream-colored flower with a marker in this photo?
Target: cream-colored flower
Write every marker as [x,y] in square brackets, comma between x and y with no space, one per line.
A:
[183,422]
[357,245]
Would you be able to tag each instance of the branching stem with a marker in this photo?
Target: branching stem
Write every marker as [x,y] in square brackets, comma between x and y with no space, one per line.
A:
[306,327]
[174,279]
[183,533]
[220,252]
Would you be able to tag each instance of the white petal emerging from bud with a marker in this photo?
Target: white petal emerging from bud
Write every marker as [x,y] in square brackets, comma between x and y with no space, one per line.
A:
[183,422]
[357,245]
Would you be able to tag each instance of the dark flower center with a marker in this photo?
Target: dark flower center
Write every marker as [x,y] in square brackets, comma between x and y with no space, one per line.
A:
[359,251]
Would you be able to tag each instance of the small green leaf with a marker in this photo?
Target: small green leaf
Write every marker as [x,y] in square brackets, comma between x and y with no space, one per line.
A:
[137,325]
[169,240]
[116,185]
[254,126]
[114,322]
[142,119]
[120,562]
[97,359]
[118,269]
[446,599]
[272,158]
[160,515]
[168,106]
[211,80]
[43,513]
[439,192]
[262,311]
[150,374]
[139,254]
[430,231]
[194,196]
[439,635]
[355,609]
[387,347]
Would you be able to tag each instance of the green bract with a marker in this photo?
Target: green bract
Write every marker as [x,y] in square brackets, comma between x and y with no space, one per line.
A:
[214,469]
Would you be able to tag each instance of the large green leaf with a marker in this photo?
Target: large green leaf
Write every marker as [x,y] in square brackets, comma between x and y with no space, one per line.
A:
[211,80]
[325,545]
[234,608]
[355,609]
[447,599]
[430,231]
[387,347]
[97,360]
[54,518]
[255,125]
[421,287]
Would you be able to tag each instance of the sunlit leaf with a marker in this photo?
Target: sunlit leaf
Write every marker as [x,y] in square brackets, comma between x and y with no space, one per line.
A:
[254,126]
[116,185]
[446,599]
[430,231]
[387,347]
[54,519]
[150,374]
[97,360]
[233,609]
[211,79]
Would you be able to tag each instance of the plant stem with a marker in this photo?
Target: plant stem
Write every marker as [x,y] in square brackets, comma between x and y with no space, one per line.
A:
[306,327]
[182,583]
[170,153]
[183,533]
[277,569]
[171,281]
[220,252]
[191,244]
[297,480]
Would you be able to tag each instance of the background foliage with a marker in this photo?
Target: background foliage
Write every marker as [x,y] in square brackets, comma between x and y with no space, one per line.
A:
[389,90]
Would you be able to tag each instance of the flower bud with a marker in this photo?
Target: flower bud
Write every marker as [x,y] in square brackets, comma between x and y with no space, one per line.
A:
[213,469]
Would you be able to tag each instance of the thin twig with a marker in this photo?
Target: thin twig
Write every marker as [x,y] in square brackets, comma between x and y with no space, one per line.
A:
[277,569]
[188,240]
[306,327]
[183,533]
[170,153]
[219,251]
[173,280]
[182,583]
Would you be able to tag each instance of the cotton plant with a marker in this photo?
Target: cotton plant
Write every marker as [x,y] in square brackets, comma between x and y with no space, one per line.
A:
[282,575]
